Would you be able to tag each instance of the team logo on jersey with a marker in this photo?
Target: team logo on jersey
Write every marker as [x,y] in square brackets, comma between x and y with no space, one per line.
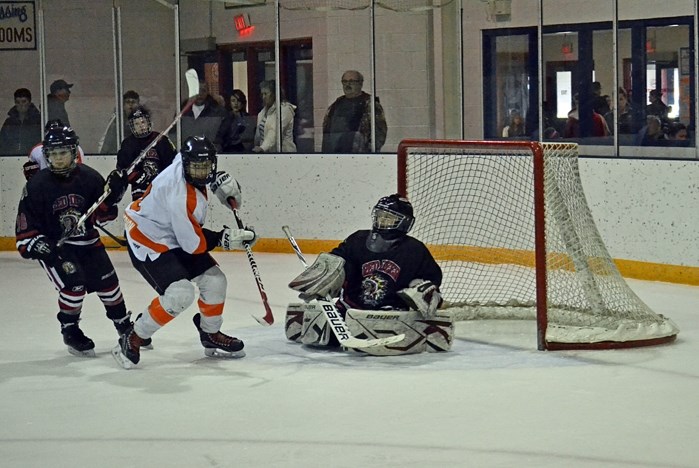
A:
[69,219]
[374,290]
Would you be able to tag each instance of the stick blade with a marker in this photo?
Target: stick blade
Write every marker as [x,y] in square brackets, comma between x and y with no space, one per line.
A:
[267,320]
[192,82]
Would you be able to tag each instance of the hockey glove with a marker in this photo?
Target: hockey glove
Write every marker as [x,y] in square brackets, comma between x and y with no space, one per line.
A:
[30,168]
[41,248]
[236,239]
[322,280]
[225,187]
[423,296]
[117,180]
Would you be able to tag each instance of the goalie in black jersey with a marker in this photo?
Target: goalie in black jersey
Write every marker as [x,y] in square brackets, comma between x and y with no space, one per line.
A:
[386,282]
[52,202]
[158,158]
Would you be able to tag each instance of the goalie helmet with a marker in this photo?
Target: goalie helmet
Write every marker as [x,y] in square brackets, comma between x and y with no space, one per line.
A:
[60,150]
[392,217]
[199,160]
[140,123]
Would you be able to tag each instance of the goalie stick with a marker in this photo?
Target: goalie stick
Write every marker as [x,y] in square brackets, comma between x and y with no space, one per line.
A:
[268,318]
[334,318]
[193,89]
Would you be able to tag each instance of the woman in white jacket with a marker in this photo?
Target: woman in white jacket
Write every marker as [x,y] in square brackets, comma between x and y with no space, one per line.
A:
[267,121]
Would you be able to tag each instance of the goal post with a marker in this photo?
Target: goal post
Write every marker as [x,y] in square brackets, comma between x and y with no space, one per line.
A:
[509,224]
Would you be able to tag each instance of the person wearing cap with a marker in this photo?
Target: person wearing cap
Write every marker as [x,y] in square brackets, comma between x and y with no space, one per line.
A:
[109,143]
[56,101]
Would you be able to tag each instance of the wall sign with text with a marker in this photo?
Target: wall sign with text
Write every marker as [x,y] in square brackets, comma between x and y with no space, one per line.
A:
[17,26]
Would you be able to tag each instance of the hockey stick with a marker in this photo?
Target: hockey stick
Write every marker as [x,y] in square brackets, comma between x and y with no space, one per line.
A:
[334,318]
[193,89]
[118,240]
[268,318]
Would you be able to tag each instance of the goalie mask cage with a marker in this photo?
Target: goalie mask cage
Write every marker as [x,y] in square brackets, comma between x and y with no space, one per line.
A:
[510,226]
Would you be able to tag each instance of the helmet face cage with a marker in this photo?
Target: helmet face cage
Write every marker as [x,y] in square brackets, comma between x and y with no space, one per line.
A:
[392,217]
[140,123]
[199,161]
[56,143]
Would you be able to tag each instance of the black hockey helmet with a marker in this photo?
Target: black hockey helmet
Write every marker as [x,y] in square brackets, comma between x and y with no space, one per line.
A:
[53,124]
[140,123]
[392,217]
[199,160]
[56,141]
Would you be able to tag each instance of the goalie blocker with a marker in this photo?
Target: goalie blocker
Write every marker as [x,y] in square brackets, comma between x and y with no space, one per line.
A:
[306,324]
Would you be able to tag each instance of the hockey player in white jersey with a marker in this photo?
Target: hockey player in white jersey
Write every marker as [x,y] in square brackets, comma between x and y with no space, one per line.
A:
[170,247]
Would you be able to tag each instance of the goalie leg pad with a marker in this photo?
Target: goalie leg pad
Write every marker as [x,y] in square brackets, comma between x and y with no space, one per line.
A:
[316,330]
[420,334]
[293,324]
[438,331]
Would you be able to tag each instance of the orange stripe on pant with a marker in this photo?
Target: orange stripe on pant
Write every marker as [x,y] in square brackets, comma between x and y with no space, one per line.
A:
[210,310]
[159,315]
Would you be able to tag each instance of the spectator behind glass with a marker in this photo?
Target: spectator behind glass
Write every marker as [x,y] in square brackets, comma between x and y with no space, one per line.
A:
[205,117]
[515,127]
[347,122]
[678,134]
[572,130]
[657,107]
[108,143]
[233,129]
[56,101]
[599,102]
[22,127]
[625,115]
[652,133]
[267,121]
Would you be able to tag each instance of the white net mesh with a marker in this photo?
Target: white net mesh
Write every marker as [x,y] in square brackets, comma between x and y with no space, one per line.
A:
[474,207]
[393,5]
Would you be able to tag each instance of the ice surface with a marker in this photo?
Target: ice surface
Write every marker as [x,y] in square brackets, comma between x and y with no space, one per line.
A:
[493,401]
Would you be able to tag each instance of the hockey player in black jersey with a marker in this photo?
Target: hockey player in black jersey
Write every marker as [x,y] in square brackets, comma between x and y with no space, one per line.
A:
[374,273]
[51,204]
[158,158]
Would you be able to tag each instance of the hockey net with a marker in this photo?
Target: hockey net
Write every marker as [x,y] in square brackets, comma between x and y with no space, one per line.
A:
[510,226]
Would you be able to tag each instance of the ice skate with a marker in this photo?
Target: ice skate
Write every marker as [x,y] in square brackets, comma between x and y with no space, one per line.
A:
[78,344]
[127,352]
[219,344]
[73,337]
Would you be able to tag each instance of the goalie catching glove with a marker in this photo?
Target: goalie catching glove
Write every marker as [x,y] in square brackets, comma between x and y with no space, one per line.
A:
[225,187]
[423,296]
[322,280]
[235,239]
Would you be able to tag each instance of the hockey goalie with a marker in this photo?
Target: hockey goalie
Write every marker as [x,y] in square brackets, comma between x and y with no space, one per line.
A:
[386,284]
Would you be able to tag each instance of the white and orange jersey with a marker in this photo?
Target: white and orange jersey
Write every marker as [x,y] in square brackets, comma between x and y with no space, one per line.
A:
[169,215]
[37,155]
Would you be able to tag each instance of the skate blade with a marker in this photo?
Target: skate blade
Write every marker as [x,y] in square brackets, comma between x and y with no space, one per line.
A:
[122,360]
[86,353]
[221,354]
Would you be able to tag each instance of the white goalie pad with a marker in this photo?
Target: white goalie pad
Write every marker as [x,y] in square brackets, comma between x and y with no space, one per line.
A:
[423,296]
[435,334]
[315,330]
[293,323]
[321,280]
